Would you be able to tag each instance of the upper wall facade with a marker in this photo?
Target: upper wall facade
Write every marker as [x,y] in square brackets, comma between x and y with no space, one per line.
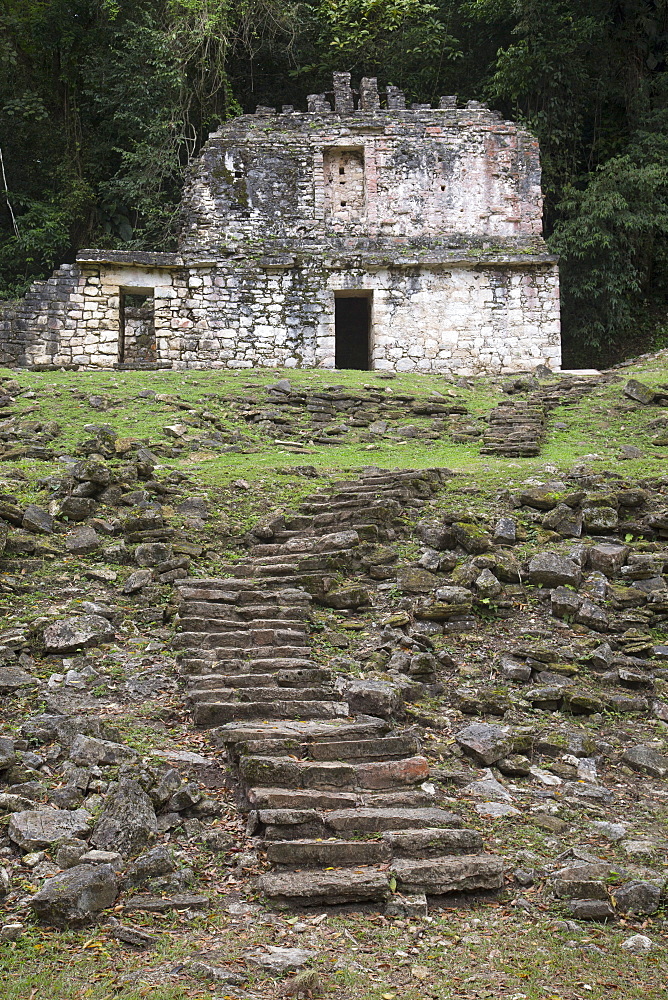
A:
[369,175]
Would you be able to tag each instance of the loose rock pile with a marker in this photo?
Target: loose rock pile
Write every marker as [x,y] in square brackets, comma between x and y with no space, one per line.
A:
[84,810]
[325,416]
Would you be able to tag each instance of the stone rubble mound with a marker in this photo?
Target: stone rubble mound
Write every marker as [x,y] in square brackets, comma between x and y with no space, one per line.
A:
[326,415]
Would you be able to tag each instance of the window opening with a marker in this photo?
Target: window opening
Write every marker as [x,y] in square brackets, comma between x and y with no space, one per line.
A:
[344,183]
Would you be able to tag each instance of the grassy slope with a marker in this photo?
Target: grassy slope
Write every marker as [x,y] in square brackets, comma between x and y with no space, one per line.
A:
[488,951]
[593,427]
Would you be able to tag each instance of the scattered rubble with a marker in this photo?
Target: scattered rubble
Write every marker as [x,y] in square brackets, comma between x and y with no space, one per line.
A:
[392,683]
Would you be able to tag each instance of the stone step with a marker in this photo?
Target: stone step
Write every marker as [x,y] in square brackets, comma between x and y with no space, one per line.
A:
[328,521]
[430,842]
[289,824]
[352,502]
[207,663]
[270,639]
[376,515]
[393,845]
[405,798]
[334,853]
[272,548]
[314,888]
[280,679]
[331,802]
[246,614]
[201,682]
[287,772]
[252,571]
[383,748]
[284,557]
[439,876]
[234,624]
[234,735]
[217,713]
[374,492]
[376,820]
[306,544]
[366,532]
[257,694]
[354,751]
[294,566]
[291,584]
[299,547]
[248,660]
[231,590]
[274,664]
[373,485]
[303,798]
[434,475]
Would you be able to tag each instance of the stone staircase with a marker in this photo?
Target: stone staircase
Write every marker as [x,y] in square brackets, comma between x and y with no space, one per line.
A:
[516,429]
[341,806]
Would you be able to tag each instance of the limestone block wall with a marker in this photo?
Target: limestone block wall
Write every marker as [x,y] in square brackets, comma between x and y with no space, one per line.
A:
[242,317]
[73,318]
[460,319]
[467,321]
[35,326]
[416,173]
[138,330]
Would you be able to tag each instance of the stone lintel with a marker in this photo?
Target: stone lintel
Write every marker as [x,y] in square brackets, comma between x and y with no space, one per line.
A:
[129,258]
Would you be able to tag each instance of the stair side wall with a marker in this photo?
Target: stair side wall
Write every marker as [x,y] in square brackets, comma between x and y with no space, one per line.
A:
[73,318]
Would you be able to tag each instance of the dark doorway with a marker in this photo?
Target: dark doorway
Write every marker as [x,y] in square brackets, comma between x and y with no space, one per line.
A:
[352,318]
[137,327]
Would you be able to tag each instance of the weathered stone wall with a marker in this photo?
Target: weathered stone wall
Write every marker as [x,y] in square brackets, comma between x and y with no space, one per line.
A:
[137,329]
[74,317]
[462,319]
[416,173]
[422,320]
[43,319]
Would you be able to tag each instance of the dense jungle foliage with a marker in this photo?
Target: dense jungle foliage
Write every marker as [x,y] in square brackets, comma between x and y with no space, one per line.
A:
[104,102]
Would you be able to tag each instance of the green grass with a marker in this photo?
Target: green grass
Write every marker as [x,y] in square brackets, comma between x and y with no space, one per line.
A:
[487,951]
[594,426]
[519,954]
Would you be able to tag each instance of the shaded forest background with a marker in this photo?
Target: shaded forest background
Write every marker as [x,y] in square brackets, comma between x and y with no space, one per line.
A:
[104,102]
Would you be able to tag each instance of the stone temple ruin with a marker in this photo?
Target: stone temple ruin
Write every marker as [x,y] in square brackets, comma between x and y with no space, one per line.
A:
[367,237]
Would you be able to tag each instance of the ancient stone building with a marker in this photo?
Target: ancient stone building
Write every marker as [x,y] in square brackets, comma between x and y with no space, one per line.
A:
[357,234]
